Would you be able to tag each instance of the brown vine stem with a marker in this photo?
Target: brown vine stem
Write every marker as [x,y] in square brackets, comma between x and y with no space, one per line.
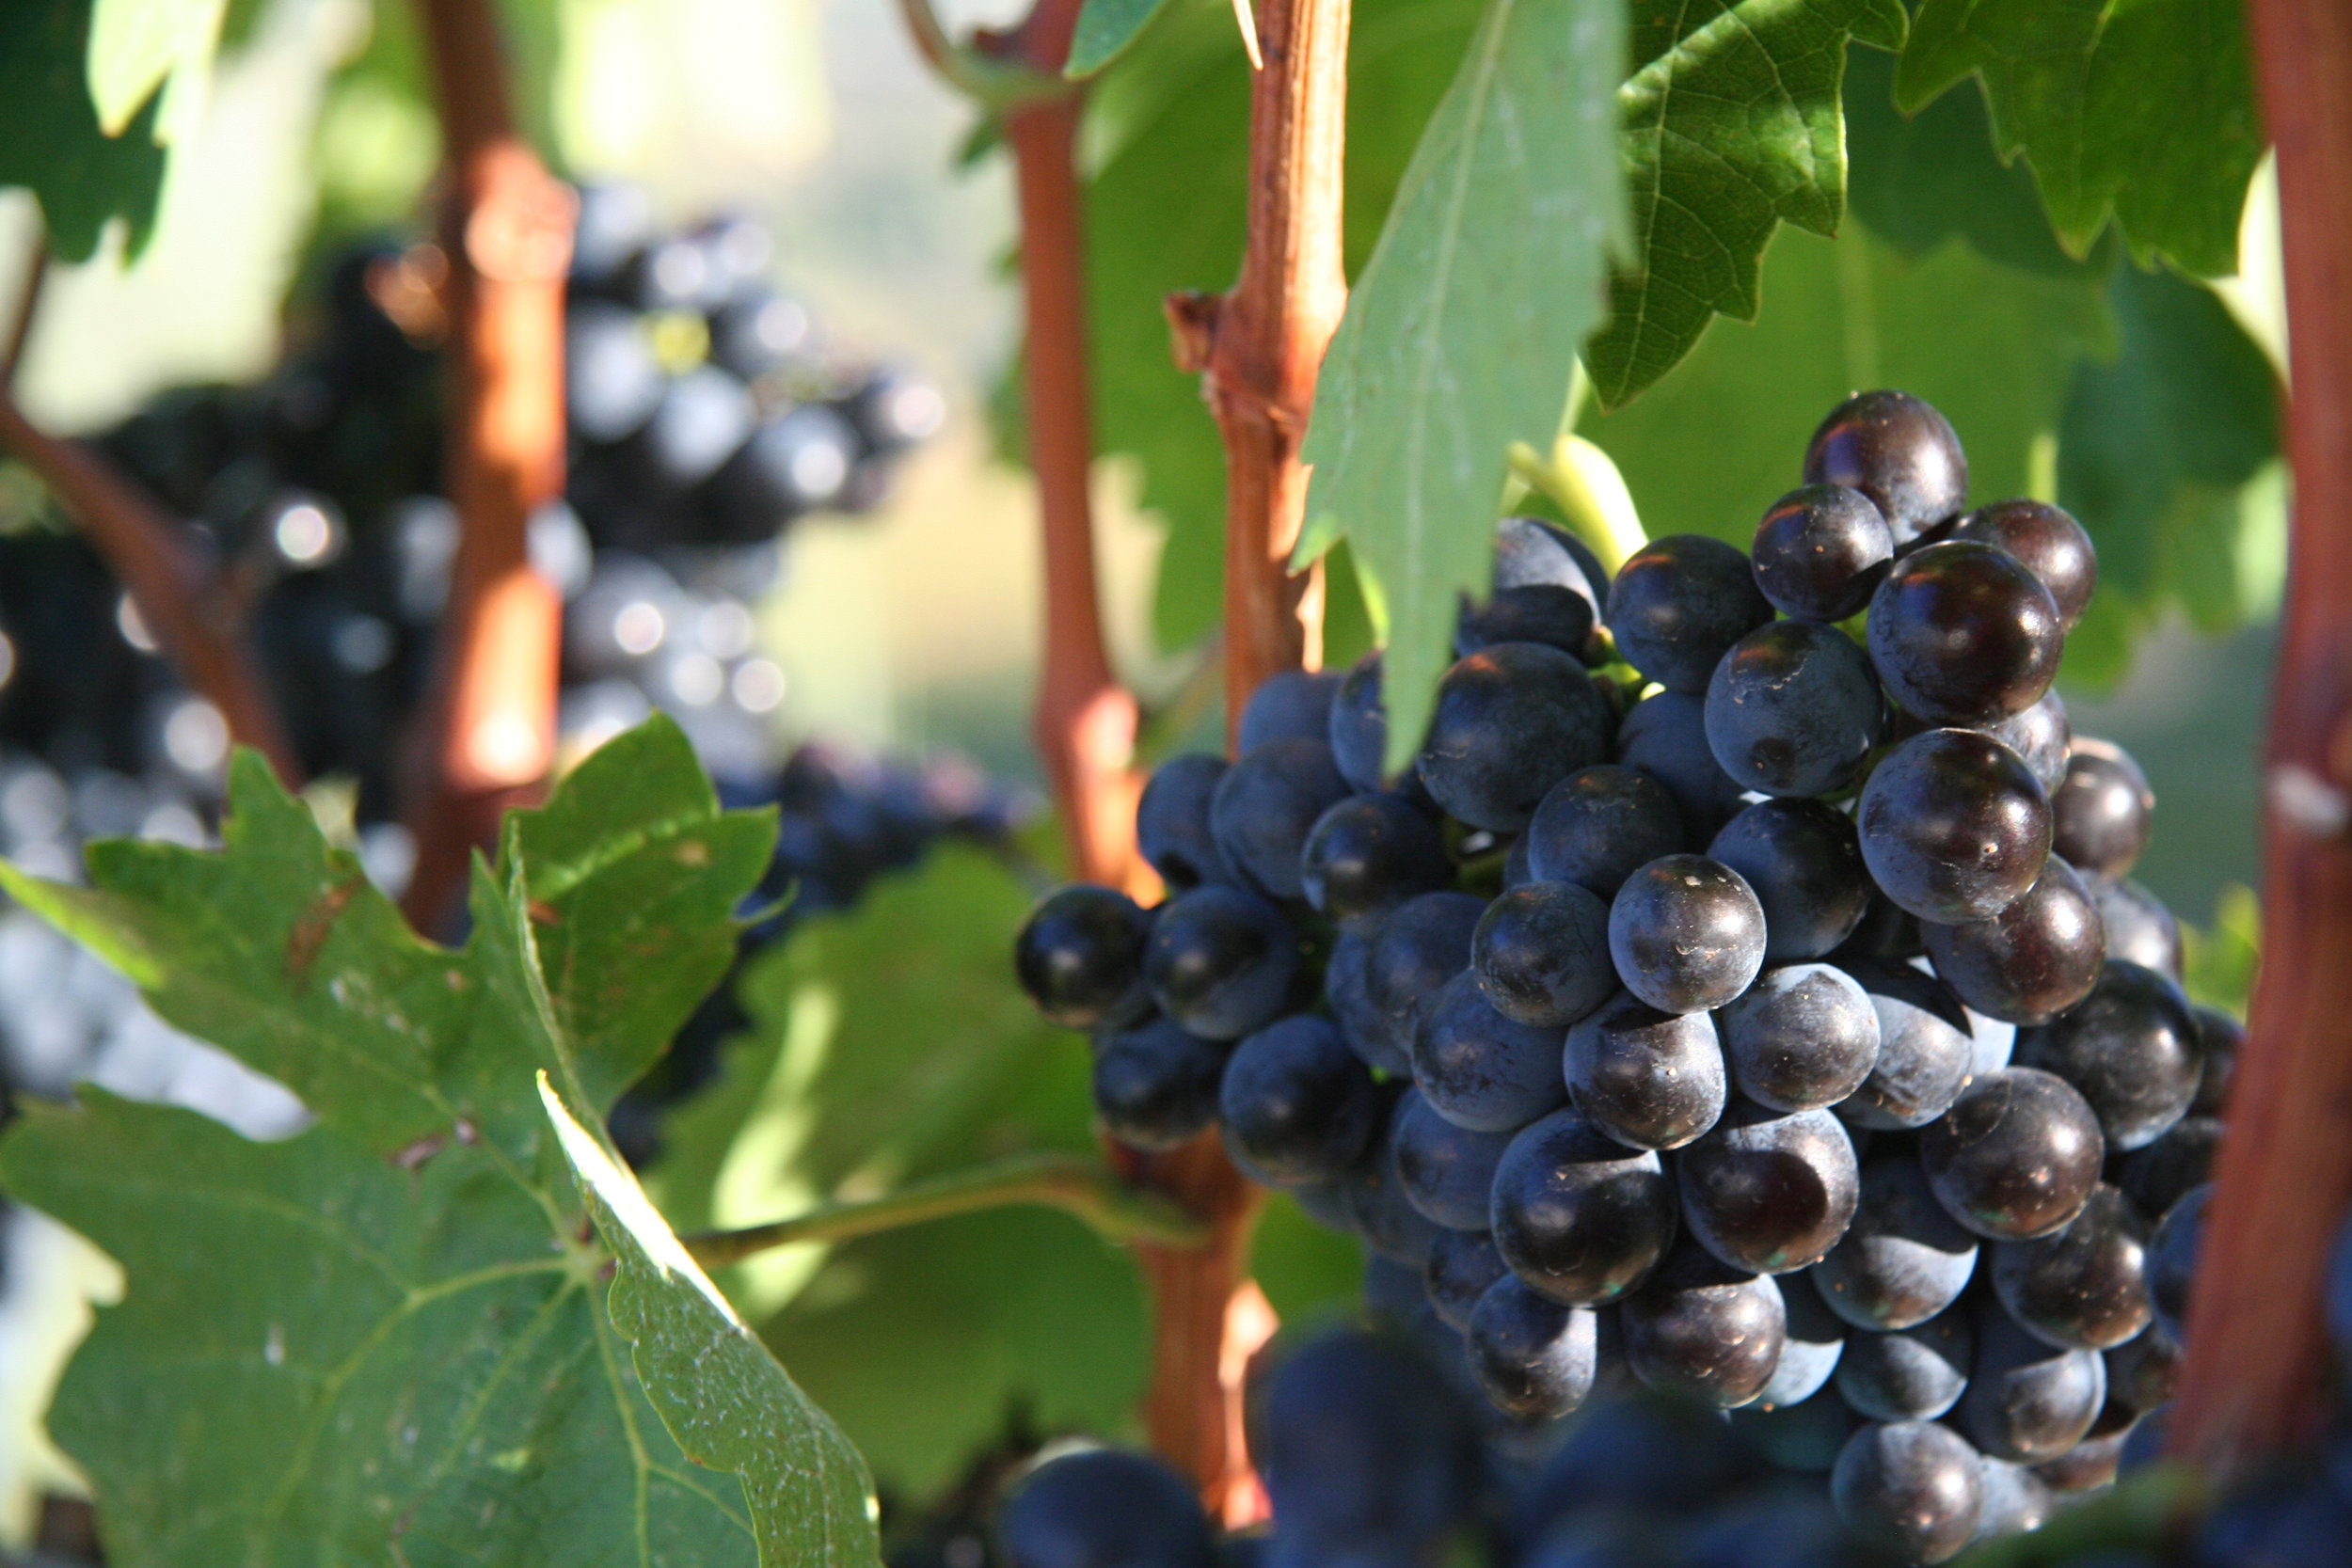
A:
[168,573]
[2256,1347]
[488,736]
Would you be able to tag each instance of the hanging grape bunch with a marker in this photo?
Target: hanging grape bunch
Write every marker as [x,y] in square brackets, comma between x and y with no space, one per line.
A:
[1733,1001]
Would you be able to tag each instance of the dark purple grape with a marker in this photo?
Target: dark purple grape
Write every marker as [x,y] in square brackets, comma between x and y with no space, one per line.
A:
[1794,709]
[1804,864]
[1820,550]
[2172,1258]
[1297,1102]
[1266,805]
[2130,1047]
[1080,955]
[1597,824]
[1816,1341]
[2143,1371]
[1422,945]
[2159,1175]
[2016,1156]
[1101,1507]
[1367,855]
[1769,1191]
[1220,961]
[1360,726]
[1913,1488]
[1896,450]
[1541,954]
[2048,541]
[1346,989]
[1375,1202]
[1289,704]
[1926,1049]
[1511,720]
[1902,1260]
[2028,1402]
[1461,1265]
[1648,1079]
[1678,605]
[1804,1036]
[2219,1038]
[1685,933]
[1446,1172]
[2139,928]
[2034,959]
[1908,1374]
[2092,1462]
[1478,1068]
[2018,1501]
[1702,1330]
[1156,1086]
[1953,825]
[1576,1214]
[1172,822]
[1548,587]
[1963,634]
[2084,1286]
[2041,737]
[2101,813]
[1366,1449]
[1532,1356]
[1665,735]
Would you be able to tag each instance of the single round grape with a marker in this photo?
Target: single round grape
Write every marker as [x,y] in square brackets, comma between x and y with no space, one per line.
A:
[2102,810]
[1532,1356]
[1926,1049]
[1649,1080]
[1595,827]
[1804,1036]
[1685,933]
[1912,1487]
[1769,1191]
[1548,587]
[1478,1068]
[2048,541]
[1461,1265]
[1268,804]
[2172,1258]
[1172,822]
[1702,1330]
[1816,1339]
[1220,961]
[1963,634]
[1680,603]
[1541,954]
[2159,1175]
[1794,709]
[1576,1214]
[1908,1374]
[2084,1286]
[1896,450]
[1103,1508]
[1289,704]
[1511,720]
[2042,735]
[1447,1172]
[2027,1401]
[2016,1502]
[2139,928]
[1529,552]
[1346,989]
[1358,731]
[2034,959]
[2130,1047]
[1665,735]
[2016,1156]
[1156,1086]
[1365,1445]
[2144,1369]
[2219,1038]
[1368,854]
[1820,551]
[1422,945]
[1902,1260]
[1954,827]
[1804,864]
[1297,1102]
[2092,1462]
[1080,955]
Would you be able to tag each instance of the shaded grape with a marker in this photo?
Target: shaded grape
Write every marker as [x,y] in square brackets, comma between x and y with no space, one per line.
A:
[1700,1329]
[1172,822]
[2025,1400]
[1794,710]
[1541,954]
[1896,450]
[2016,1156]
[1532,1356]
[1804,1036]
[1368,854]
[1268,804]
[1680,603]
[1902,1260]
[2130,1047]
[1289,704]
[1460,1265]
[2035,959]
[2048,541]
[1769,1191]
[2102,810]
[1926,1053]
[1446,1172]
[1913,1487]
[1220,961]
[1595,827]
[1953,825]
[1820,551]
[1480,1070]
[1648,1079]
[1297,1102]
[1665,735]
[2084,1286]
[1102,1508]
[1804,864]
[1909,1375]
[1511,720]
[1080,955]
[1156,1086]
[1576,1214]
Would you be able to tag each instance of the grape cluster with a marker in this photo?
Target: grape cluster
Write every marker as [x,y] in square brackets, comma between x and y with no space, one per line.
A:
[1731,1001]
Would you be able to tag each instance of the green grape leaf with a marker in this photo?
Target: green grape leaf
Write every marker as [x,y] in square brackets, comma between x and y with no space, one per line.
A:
[2143,112]
[137,46]
[50,138]
[888,1043]
[1105,28]
[1460,335]
[1732,125]
[383,1338]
